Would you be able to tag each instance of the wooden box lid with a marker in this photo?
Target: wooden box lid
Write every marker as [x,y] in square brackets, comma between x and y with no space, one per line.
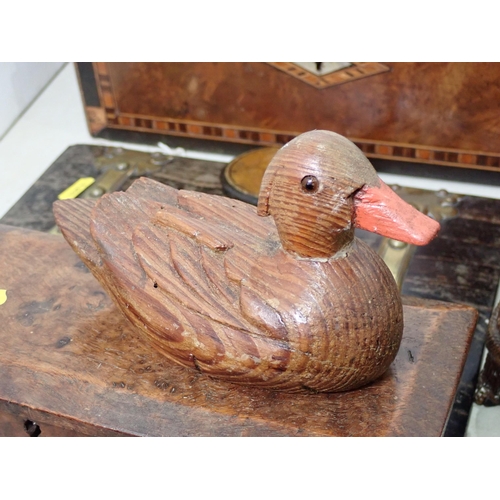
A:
[418,113]
[70,362]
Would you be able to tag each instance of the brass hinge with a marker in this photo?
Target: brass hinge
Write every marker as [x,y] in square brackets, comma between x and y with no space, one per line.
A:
[117,166]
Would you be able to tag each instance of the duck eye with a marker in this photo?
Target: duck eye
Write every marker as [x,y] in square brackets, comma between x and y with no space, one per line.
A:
[310,184]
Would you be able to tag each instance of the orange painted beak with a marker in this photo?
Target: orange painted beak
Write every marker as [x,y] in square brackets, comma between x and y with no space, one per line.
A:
[380,210]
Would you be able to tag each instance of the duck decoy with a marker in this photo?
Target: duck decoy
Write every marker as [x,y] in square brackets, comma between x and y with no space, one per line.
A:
[282,296]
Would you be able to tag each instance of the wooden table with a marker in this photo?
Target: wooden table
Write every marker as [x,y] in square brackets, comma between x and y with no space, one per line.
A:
[71,365]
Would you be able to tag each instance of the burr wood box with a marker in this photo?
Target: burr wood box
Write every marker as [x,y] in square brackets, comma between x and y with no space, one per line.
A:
[418,114]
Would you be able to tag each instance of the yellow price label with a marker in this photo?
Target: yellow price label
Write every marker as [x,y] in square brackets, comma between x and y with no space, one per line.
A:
[3,297]
[76,188]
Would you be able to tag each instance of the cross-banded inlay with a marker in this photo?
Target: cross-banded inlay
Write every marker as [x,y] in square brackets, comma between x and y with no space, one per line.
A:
[260,137]
[354,71]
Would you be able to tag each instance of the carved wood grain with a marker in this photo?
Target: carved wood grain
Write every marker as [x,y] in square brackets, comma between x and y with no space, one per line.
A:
[251,314]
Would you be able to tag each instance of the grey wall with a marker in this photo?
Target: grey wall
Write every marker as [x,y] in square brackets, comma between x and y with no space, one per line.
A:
[20,83]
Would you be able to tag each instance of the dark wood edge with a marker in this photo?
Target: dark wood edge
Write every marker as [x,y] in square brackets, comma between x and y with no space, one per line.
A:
[412,301]
[89,92]
[87,83]
[22,413]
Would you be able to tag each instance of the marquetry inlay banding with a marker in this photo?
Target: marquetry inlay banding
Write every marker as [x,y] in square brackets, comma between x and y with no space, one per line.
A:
[353,72]
[265,137]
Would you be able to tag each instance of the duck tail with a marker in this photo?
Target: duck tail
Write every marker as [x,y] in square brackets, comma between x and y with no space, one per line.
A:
[73,219]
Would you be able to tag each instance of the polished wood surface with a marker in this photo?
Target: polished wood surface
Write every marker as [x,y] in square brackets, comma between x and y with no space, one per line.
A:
[439,113]
[69,360]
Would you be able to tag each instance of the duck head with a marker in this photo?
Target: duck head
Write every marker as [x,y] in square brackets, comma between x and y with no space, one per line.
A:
[320,186]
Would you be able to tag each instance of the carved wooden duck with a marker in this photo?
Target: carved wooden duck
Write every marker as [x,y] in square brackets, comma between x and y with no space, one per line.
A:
[290,302]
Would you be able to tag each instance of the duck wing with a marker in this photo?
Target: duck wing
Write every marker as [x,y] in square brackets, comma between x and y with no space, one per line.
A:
[199,252]
[198,256]
[175,263]
[100,232]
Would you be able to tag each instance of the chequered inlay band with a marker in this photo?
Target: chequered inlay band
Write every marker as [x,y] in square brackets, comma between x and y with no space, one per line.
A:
[259,137]
[353,72]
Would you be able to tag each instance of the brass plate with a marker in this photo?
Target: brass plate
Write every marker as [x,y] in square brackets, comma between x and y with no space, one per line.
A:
[242,177]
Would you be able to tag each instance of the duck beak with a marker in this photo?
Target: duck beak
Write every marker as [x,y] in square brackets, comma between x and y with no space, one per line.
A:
[380,210]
